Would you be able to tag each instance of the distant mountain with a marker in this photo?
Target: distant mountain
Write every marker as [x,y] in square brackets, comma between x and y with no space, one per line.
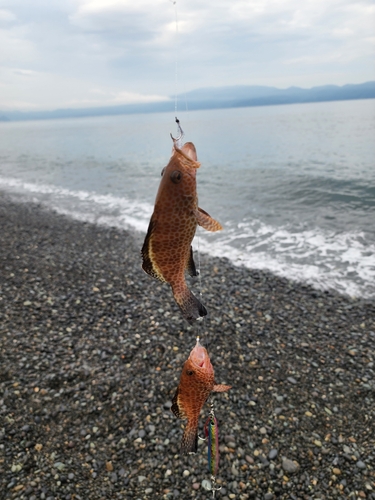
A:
[242,96]
[213,98]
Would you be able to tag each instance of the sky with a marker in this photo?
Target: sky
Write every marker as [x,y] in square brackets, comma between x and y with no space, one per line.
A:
[90,53]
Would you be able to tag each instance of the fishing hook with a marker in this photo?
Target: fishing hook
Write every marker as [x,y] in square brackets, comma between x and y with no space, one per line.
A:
[214,488]
[178,140]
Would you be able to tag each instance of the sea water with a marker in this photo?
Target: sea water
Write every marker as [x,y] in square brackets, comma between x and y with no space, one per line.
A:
[293,185]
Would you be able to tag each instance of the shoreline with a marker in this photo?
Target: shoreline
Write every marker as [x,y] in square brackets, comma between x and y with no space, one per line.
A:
[91,354]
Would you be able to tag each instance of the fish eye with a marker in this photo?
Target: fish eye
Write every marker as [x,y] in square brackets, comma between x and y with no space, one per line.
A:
[189,372]
[176,176]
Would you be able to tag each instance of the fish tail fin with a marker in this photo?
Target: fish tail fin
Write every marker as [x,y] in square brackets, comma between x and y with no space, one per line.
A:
[189,442]
[191,308]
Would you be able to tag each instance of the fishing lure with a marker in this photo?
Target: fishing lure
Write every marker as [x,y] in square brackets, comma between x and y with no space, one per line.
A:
[212,435]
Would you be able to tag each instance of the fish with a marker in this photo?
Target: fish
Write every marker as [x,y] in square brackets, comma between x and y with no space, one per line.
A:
[197,381]
[167,252]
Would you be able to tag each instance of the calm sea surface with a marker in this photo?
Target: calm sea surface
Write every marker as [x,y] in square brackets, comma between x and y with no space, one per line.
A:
[293,186]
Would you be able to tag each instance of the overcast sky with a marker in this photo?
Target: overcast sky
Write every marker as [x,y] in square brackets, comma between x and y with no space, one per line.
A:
[79,53]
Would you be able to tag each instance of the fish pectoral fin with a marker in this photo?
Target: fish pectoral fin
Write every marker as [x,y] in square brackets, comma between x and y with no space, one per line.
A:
[176,409]
[206,221]
[148,265]
[191,269]
[221,388]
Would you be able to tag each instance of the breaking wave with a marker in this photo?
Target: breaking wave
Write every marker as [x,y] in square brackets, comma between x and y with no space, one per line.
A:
[325,259]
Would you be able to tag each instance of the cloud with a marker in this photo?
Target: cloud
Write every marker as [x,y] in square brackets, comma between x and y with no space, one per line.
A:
[72,92]
[6,16]
[105,97]
[130,49]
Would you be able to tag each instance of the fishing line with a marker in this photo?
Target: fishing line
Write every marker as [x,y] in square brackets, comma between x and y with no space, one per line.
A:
[176,67]
[200,288]
[174,2]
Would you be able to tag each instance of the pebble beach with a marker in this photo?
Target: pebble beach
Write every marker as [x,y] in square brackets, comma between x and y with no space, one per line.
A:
[91,350]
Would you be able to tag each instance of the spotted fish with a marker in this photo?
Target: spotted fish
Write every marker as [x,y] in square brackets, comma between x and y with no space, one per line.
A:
[196,383]
[167,253]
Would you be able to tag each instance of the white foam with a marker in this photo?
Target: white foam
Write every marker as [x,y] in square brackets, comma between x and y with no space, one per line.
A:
[85,206]
[344,262]
[324,259]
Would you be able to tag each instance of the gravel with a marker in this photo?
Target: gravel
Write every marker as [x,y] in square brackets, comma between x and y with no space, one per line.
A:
[91,351]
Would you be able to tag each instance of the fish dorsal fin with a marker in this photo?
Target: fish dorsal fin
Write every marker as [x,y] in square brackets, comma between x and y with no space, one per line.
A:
[221,388]
[206,221]
[177,411]
[191,269]
[148,264]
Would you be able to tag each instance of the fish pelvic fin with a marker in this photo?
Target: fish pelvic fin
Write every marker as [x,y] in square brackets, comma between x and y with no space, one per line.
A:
[206,221]
[191,308]
[148,265]
[221,388]
[189,441]
[191,269]
[176,407]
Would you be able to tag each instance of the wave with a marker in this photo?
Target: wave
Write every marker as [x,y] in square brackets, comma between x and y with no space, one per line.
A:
[324,259]
[87,206]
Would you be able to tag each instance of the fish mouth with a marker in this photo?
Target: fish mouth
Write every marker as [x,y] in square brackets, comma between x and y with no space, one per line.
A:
[199,356]
[186,161]
[200,364]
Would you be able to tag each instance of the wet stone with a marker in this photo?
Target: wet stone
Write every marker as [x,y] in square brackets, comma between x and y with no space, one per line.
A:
[92,363]
[273,454]
[289,466]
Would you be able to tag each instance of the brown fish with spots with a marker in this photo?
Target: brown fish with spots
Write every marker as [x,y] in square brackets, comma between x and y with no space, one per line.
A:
[167,251]
[196,383]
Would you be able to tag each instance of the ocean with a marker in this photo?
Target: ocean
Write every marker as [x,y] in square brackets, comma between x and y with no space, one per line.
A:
[293,185]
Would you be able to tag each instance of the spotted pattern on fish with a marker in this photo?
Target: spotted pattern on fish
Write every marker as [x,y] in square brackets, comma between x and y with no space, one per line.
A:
[167,252]
[196,383]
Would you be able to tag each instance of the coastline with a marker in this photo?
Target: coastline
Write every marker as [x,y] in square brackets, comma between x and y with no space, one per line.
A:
[91,354]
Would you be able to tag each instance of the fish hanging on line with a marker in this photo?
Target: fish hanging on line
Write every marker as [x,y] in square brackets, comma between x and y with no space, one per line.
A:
[167,252]
[196,383]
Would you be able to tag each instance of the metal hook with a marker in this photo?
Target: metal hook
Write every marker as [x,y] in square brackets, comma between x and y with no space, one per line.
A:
[177,141]
[214,488]
[212,412]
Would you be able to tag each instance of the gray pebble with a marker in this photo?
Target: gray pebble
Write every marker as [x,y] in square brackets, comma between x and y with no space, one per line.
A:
[289,466]
[88,296]
[206,485]
[273,454]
